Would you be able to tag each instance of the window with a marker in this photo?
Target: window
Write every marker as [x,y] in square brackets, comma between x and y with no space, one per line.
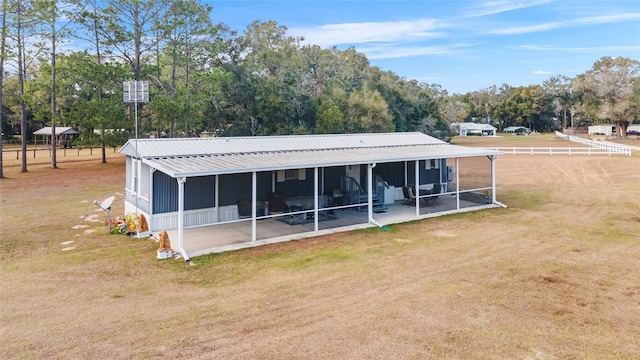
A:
[135,175]
[432,164]
[294,174]
[291,174]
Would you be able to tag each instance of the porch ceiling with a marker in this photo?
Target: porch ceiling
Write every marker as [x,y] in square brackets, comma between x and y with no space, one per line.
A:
[203,165]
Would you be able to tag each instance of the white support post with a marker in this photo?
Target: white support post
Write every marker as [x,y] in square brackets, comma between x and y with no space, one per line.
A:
[321,180]
[370,191]
[315,198]
[139,164]
[183,252]
[217,197]
[406,172]
[416,185]
[150,187]
[254,206]
[493,179]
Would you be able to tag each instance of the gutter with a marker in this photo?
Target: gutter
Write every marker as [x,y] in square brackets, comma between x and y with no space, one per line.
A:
[375,223]
[184,253]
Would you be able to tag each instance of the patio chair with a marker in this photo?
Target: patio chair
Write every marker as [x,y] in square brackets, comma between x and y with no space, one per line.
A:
[244,208]
[434,199]
[409,195]
[277,203]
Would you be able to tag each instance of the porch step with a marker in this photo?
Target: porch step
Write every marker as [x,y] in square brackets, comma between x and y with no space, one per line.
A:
[378,204]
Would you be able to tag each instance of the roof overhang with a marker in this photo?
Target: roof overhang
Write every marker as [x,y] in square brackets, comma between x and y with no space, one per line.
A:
[204,165]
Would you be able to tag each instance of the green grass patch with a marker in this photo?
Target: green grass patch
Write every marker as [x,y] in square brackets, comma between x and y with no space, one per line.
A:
[531,200]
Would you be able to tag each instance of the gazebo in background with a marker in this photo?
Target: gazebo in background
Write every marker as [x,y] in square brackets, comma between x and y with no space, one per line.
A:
[64,136]
[516,130]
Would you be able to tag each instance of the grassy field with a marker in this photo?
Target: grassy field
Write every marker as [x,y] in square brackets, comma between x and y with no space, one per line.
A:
[12,155]
[556,275]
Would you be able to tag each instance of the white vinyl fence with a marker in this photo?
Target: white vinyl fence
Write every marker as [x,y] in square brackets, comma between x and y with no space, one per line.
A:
[610,148]
[593,148]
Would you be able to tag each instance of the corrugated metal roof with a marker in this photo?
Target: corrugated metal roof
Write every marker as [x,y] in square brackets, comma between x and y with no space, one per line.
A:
[256,144]
[213,156]
[60,130]
[513,128]
[229,164]
[474,126]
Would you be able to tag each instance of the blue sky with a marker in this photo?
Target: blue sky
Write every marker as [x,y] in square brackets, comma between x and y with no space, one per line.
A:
[461,45]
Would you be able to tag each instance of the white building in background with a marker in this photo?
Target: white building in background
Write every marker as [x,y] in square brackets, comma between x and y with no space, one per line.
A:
[607,130]
[633,129]
[464,129]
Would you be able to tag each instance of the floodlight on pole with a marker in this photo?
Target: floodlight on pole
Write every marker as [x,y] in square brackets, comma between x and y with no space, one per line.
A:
[136,92]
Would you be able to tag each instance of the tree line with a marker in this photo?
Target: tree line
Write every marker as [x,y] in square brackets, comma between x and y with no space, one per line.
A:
[207,79]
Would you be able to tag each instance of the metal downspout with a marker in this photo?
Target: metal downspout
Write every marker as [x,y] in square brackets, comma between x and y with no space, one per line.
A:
[181,182]
[370,191]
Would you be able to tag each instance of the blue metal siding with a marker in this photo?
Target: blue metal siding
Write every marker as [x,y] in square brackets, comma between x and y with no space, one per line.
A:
[291,188]
[199,192]
[264,185]
[427,176]
[332,178]
[233,187]
[165,193]
[392,173]
[238,186]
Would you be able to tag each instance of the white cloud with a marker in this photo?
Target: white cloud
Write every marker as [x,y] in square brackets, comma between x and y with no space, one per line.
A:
[497,7]
[604,19]
[542,72]
[368,32]
[527,29]
[390,52]
[596,49]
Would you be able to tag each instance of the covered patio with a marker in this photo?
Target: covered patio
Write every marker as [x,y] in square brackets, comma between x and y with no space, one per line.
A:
[221,194]
[219,238]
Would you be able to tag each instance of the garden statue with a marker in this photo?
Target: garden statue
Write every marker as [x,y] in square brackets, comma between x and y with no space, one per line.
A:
[142,227]
[165,244]
[164,251]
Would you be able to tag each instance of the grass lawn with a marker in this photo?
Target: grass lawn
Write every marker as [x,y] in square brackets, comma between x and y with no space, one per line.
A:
[554,275]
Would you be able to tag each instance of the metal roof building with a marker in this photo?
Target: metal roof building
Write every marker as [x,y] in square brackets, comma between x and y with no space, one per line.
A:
[187,183]
[64,135]
[469,128]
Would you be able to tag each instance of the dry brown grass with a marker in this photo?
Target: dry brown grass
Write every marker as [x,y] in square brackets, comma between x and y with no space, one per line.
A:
[11,155]
[555,275]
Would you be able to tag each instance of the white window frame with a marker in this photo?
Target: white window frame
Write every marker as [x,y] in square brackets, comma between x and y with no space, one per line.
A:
[432,164]
[136,168]
[291,174]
